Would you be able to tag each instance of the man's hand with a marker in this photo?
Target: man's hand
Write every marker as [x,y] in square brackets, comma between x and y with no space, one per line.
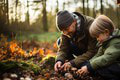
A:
[66,66]
[57,66]
[83,71]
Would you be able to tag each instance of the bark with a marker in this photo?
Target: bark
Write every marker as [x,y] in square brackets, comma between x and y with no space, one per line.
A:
[101,1]
[83,6]
[44,18]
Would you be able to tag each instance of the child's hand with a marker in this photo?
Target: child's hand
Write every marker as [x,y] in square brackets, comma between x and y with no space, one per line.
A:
[83,71]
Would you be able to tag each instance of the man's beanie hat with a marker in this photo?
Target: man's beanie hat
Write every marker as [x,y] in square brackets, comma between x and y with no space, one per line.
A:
[64,19]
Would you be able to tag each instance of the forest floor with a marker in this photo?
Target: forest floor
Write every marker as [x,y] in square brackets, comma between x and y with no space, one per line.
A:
[32,60]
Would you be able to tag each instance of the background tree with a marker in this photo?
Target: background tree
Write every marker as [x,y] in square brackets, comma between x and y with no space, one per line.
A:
[83,6]
[4,17]
[21,16]
[64,4]
[101,10]
[118,15]
[88,7]
[94,8]
[57,7]
[27,15]
[44,18]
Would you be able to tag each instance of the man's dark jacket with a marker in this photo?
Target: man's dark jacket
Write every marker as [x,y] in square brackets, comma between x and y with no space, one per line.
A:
[82,39]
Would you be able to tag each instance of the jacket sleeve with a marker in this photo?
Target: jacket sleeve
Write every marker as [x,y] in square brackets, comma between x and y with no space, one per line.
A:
[92,50]
[111,54]
[99,53]
[63,49]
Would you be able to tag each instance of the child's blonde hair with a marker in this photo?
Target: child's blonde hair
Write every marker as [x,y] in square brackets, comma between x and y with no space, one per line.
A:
[100,24]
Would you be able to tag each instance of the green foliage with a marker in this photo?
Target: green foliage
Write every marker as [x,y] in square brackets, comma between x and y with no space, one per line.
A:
[42,37]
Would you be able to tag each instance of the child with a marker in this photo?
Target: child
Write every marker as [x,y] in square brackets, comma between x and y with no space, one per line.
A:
[107,60]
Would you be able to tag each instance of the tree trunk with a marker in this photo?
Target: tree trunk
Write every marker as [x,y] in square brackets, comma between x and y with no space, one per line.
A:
[57,7]
[4,10]
[44,18]
[64,5]
[83,6]
[4,18]
[7,12]
[27,15]
[94,9]
[16,10]
[88,7]
[101,10]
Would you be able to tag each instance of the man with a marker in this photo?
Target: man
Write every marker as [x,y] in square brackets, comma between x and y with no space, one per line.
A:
[75,44]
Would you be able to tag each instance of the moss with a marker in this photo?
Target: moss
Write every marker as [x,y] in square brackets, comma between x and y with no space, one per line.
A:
[10,65]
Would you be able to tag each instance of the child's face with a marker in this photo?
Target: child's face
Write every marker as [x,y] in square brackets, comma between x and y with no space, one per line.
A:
[71,29]
[102,37]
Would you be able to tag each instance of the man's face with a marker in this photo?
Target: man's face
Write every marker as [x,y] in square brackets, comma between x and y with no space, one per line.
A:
[70,30]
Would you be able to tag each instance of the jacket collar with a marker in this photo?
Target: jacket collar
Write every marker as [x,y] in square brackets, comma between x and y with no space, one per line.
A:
[80,31]
[115,34]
